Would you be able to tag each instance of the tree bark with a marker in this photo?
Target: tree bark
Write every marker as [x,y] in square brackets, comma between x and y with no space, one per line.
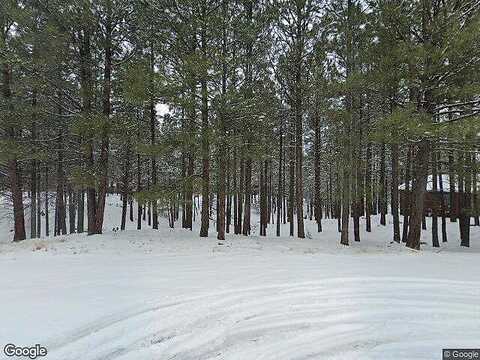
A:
[72,209]
[205,216]
[383,187]
[394,188]
[104,149]
[248,197]
[407,191]
[47,204]
[444,221]
[60,213]
[80,210]
[153,130]
[418,192]
[33,175]
[317,183]
[291,180]
[13,169]
[222,163]
[435,242]
[263,198]
[280,177]
[125,187]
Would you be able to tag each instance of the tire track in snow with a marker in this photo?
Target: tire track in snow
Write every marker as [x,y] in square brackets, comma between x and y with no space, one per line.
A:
[320,319]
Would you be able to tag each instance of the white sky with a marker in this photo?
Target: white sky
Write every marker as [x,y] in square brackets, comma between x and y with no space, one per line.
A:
[161,109]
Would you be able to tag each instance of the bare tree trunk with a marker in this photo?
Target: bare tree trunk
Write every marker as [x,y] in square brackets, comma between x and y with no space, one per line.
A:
[475,204]
[248,197]
[104,148]
[241,196]
[86,92]
[269,193]
[229,195]
[60,213]
[125,187]
[222,162]
[280,177]
[394,188]
[357,182]
[153,129]
[299,121]
[39,200]
[465,203]
[368,189]
[444,221]
[33,203]
[291,180]
[13,169]
[205,218]
[452,181]
[383,187]
[33,178]
[130,205]
[80,210]
[418,192]
[435,242]
[139,188]
[263,198]
[235,192]
[72,209]
[407,191]
[317,165]
[47,205]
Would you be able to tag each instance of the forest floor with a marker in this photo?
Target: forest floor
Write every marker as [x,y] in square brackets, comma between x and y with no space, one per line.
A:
[169,294]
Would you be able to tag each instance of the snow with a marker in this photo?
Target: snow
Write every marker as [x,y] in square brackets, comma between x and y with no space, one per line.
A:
[169,294]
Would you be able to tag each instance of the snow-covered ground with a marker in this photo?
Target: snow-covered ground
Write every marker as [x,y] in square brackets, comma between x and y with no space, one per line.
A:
[169,294]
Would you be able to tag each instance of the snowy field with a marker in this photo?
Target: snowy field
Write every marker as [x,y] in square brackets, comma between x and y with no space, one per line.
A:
[169,294]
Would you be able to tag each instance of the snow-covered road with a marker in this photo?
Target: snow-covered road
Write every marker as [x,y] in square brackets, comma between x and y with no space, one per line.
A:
[170,295]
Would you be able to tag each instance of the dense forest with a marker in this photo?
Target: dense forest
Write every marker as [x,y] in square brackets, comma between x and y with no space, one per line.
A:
[208,111]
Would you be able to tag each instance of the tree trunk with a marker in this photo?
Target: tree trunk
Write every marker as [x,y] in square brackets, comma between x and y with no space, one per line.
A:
[452,181]
[394,188]
[248,197]
[125,187]
[106,99]
[153,129]
[47,205]
[72,209]
[205,218]
[418,192]
[33,177]
[383,187]
[241,196]
[407,190]
[317,165]
[465,172]
[299,120]
[222,162]
[291,180]
[263,198]
[280,177]
[444,222]
[39,200]
[435,242]
[87,94]
[229,195]
[80,210]
[139,188]
[13,169]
